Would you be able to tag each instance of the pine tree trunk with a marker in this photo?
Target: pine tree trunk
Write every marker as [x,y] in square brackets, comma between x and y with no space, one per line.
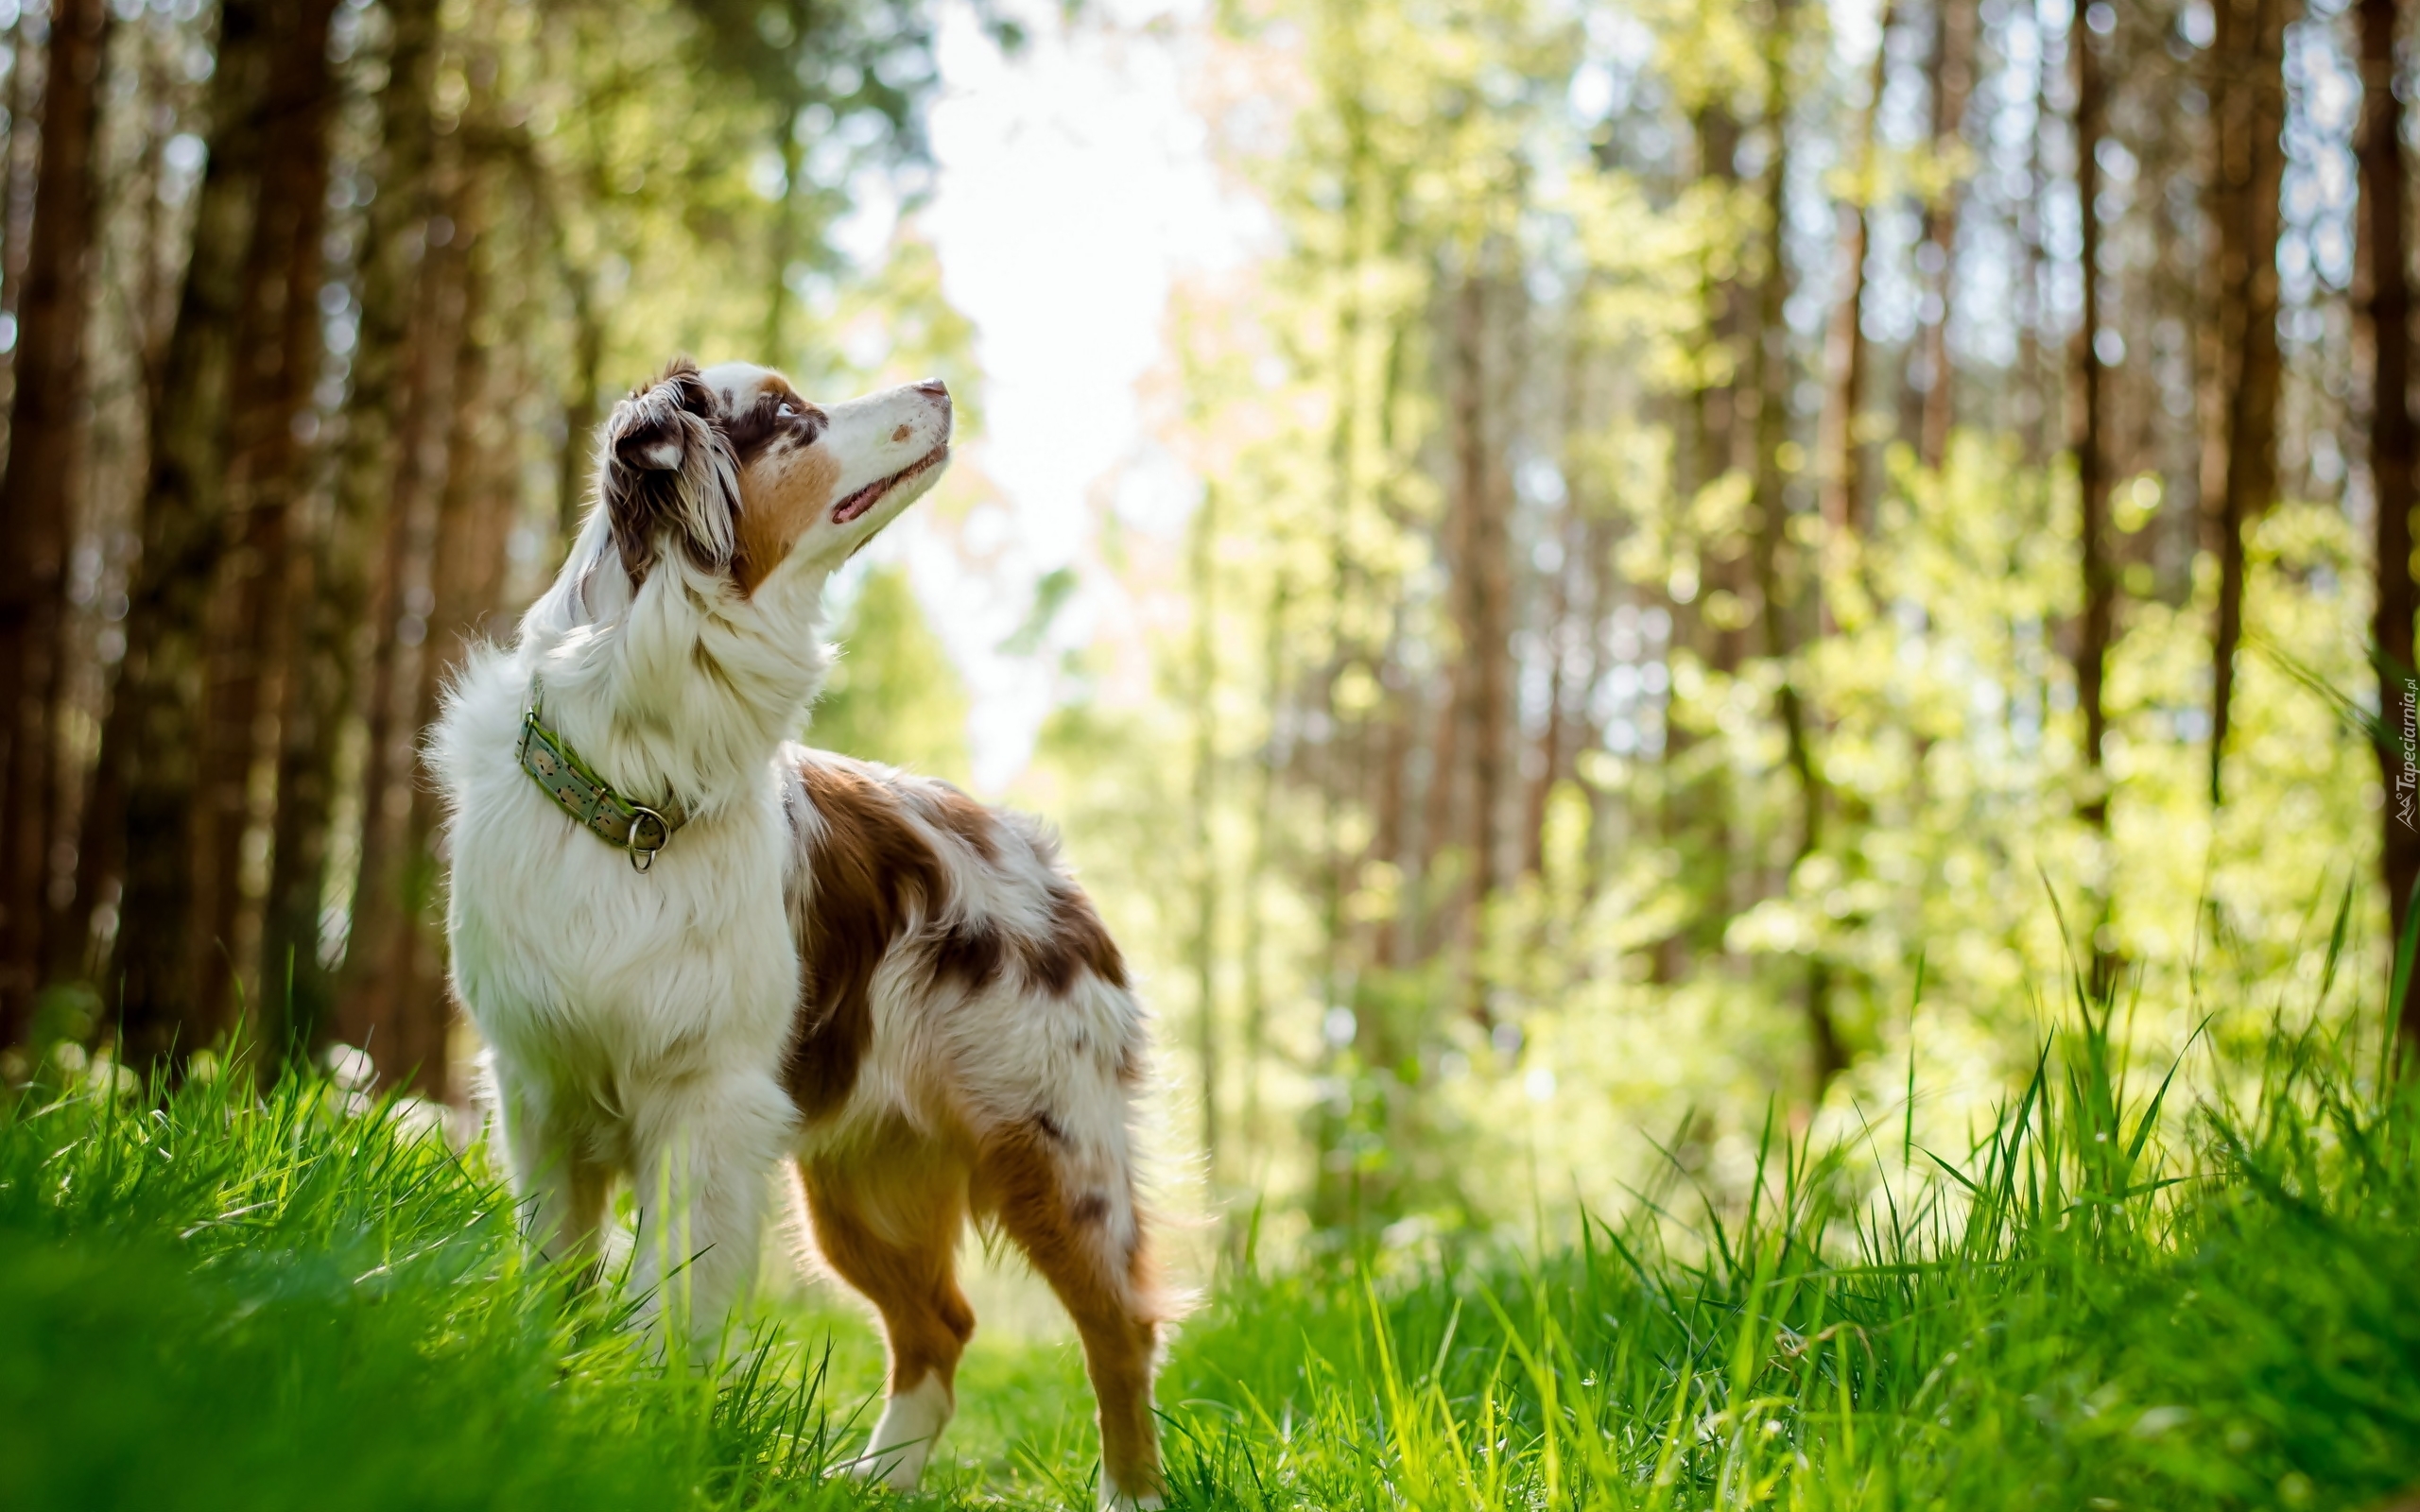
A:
[1953,79]
[333,627]
[372,1008]
[1552,752]
[1480,561]
[1258,868]
[277,348]
[38,491]
[1205,758]
[784,247]
[2033,386]
[2248,112]
[1828,1056]
[1452,804]
[149,767]
[1846,352]
[2097,625]
[1694,803]
[581,411]
[465,574]
[16,200]
[2392,459]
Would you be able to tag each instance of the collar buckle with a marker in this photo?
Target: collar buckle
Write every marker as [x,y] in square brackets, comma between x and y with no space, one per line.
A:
[642,853]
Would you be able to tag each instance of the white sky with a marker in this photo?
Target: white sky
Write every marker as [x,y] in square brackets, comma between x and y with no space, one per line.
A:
[1075,185]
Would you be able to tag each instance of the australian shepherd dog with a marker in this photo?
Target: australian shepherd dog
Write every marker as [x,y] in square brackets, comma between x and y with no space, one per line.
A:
[699,952]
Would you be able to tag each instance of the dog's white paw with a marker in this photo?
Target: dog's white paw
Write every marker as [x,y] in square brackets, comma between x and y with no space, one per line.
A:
[903,1437]
[1113,1499]
[900,1467]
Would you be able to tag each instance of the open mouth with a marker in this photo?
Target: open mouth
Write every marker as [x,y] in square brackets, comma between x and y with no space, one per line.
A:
[867,497]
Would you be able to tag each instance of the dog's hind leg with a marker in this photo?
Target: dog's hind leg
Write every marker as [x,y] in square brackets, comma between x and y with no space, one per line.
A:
[704,1148]
[1064,1188]
[892,1233]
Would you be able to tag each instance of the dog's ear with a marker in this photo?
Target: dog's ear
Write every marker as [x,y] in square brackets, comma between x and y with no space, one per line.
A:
[668,470]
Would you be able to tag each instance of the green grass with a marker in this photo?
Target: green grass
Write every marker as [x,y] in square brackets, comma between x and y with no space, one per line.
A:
[2111,1301]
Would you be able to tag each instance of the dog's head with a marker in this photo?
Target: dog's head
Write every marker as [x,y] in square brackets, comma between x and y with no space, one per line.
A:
[734,470]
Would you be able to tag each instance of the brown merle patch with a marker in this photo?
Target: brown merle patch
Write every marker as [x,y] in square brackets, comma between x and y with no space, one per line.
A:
[1076,942]
[869,872]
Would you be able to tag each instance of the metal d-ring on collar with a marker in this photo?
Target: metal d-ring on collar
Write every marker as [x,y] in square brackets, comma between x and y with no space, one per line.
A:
[633,829]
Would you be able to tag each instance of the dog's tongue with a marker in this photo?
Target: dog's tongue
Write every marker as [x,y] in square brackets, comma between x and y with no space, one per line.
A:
[858,502]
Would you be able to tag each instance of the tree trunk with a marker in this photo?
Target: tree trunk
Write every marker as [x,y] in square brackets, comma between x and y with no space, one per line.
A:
[377,1009]
[474,521]
[334,626]
[1953,79]
[1694,801]
[1480,560]
[1846,350]
[783,245]
[2033,386]
[2249,115]
[2390,468]
[581,411]
[16,200]
[2097,624]
[1260,866]
[278,348]
[1553,753]
[465,574]
[152,738]
[1827,1057]
[1446,874]
[1205,758]
[38,489]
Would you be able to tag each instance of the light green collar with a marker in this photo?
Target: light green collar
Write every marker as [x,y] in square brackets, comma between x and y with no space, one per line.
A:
[633,828]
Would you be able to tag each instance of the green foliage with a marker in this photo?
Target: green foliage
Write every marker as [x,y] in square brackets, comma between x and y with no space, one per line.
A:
[894,696]
[1730,818]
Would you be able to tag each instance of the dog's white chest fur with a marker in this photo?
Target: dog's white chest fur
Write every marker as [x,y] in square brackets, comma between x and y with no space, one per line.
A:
[575,964]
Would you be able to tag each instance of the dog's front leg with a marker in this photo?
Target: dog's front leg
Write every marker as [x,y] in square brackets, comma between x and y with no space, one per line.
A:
[704,1148]
[558,1179]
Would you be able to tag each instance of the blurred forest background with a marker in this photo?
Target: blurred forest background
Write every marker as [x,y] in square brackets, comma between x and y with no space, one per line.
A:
[1737,548]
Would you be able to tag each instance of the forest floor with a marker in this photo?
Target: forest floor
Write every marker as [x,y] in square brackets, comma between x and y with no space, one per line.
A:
[2111,1301]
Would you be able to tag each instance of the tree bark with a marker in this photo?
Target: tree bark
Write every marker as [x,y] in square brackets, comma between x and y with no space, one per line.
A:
[1553,750]
[1846,352]
[2249,116]
[1693,796]
[1480,559]
[335,629]
[2391,468]
[375,1008]
[1827,1055]
[2097,625]
[16,201]
[474,521]
[1953,80]
[783,245]
[581,411]
[38,492]
[277,353]
[1206,777]
[2034,385]
[149,765]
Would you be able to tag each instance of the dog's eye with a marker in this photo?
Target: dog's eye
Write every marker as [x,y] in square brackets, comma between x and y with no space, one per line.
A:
[787,412]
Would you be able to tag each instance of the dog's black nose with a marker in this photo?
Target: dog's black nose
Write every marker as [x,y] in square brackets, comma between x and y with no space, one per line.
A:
[933,387]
